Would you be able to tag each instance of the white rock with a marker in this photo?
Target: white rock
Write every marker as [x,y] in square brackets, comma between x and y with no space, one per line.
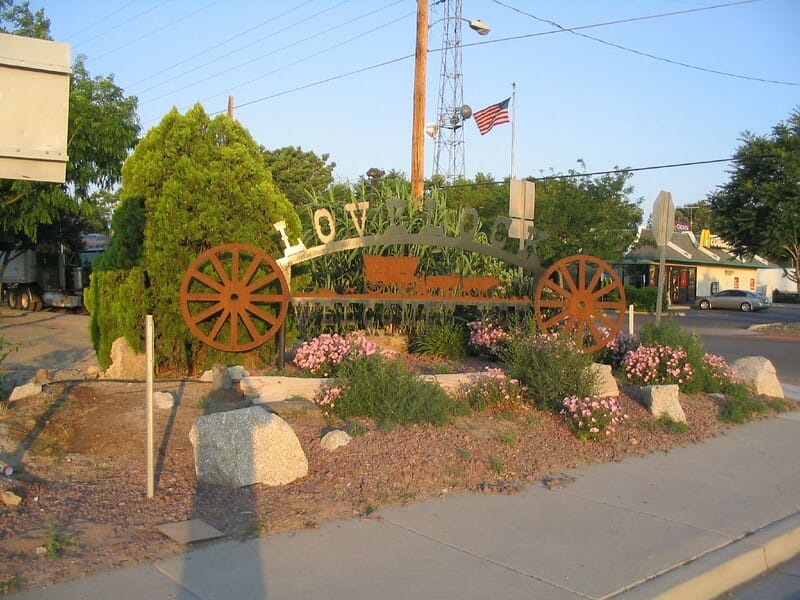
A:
[663,399]
[759,374]
[163,400]
[25,391]
[246,446]
[606,384]
[236,372]
[335,439]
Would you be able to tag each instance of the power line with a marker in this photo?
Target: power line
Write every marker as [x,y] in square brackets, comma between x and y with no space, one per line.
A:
[648,55]
[219,58]
[222,43]
[495,41]
[117,26]
[91,25]
[154,31]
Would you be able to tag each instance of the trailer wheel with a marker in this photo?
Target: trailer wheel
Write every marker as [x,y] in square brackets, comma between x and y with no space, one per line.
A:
[26,299]
[13,299]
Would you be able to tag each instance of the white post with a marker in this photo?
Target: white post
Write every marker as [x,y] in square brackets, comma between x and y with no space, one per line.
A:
[514,133]
[630,319]
[149,360]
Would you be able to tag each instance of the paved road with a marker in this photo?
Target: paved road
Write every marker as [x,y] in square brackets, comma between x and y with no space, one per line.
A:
[55,339]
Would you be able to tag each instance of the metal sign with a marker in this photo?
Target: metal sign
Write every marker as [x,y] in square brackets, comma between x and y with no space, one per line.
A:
[663,218]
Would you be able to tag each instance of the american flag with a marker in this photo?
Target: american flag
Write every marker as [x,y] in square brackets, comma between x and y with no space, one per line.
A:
[496,114]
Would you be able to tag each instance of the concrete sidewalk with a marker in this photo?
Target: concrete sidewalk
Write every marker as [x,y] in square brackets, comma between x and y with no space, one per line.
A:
[691,523]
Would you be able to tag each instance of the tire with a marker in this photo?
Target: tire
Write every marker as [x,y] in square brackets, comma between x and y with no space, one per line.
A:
[746,307]
[26,299]
[13,299]
[705,304]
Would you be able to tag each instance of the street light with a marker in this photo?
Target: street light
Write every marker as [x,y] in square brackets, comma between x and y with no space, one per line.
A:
[420,75]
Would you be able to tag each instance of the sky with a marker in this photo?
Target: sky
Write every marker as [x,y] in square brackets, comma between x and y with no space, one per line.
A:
[657,82]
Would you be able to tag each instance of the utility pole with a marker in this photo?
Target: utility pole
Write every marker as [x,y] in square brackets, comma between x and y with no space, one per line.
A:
[418,126]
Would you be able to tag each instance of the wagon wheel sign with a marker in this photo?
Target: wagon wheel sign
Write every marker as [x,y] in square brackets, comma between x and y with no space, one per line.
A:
[234,297]
[583,295]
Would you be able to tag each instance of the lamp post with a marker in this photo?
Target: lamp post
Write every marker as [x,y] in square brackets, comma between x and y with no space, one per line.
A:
[420,75]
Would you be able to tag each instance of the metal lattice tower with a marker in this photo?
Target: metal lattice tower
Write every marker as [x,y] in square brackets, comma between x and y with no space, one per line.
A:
[448,158]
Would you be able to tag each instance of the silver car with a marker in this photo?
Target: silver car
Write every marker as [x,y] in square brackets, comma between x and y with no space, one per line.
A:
[735,300]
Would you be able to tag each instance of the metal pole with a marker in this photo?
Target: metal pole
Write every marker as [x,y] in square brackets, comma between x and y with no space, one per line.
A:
[149,360]
[418,126]
[514,133]
[661,277]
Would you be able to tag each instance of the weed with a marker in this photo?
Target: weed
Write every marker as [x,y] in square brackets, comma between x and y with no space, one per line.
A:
[203,403]
[10,584]
[463,453]
[509,439]
[448,341]
[740,406]
[667,424]
[354,428]
[498,466]
[58,540]
[45,445]
[456,472]
[407,497]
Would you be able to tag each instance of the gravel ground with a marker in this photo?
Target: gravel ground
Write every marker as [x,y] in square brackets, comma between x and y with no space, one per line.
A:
[81,476]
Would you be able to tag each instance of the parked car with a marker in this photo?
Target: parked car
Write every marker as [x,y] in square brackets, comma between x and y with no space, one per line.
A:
[734,300]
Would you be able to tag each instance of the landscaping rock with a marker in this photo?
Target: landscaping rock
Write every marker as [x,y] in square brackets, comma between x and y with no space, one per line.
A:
[125,363]
[246,446]
[759,374]
[25,391]
[163,400]
[606,384]
[42,376]
[220,378]
[335,439]
[663,399]
[236,372]
[9,498]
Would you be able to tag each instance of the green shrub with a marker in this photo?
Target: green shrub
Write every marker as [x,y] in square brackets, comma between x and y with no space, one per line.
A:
[785,297]
[644,298]
[667,424]
[386,390]
[740,406]
[669,333]
[493,389]
[446,341]
[551,367]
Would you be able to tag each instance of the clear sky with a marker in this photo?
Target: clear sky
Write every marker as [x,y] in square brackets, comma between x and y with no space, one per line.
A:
[336,77]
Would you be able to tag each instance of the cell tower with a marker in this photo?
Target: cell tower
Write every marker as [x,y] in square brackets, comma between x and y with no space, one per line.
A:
[448,157]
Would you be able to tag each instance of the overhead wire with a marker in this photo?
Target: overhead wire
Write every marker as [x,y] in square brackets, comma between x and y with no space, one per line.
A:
[495,41]
[156,30]
[232,52]
[220,44]
[69,37]
[573,30]
[118,25]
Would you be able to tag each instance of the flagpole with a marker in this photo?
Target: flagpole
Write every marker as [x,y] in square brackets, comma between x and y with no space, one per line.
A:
[513,125]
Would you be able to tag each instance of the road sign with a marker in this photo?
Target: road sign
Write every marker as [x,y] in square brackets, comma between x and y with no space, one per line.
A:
[663,218]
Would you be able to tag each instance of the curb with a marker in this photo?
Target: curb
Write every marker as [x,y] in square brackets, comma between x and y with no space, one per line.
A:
[711,575]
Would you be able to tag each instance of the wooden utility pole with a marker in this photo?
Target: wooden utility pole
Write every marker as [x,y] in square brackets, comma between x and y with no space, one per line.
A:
[418,127]
[230,107]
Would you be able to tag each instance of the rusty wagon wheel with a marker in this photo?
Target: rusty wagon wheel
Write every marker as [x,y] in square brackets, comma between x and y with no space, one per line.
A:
[583,295]
[234,297]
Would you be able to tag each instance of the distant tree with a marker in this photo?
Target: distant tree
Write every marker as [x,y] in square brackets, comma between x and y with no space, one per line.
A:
[299,174]
[758,209]
[583,214]
[126,246]
[17,18]
[697,215]
[484,194]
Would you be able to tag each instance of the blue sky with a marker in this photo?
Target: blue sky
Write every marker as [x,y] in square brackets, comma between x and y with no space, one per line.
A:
[576,98]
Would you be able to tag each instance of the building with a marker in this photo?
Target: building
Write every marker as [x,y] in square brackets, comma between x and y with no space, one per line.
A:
[692,269]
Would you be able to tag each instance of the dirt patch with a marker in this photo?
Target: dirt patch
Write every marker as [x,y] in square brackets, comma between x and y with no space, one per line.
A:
[779,329]
[82,472]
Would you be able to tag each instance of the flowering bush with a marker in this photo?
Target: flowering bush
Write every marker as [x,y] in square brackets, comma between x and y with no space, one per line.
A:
[718,374]
[487,336]
[324,353]
[658,365]
[614,354]
[492,388]
[327,396]
[551,366]
[592,418]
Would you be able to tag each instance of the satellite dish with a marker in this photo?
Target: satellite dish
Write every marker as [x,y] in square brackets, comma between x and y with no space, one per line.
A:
[466,111]
[431,130]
